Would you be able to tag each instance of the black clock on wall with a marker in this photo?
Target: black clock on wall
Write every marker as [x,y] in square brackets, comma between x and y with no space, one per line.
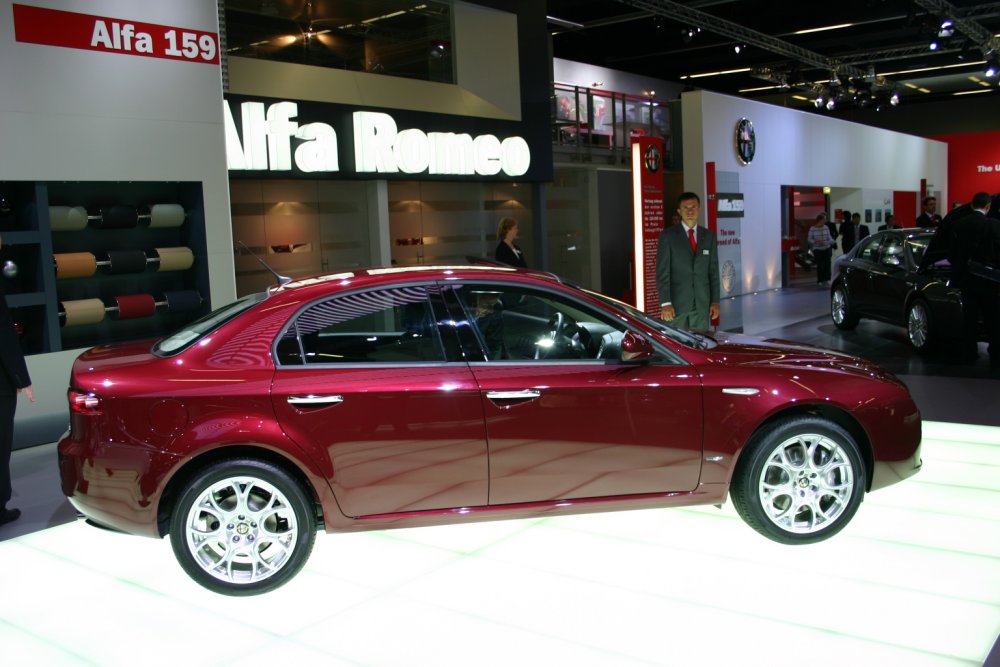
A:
[746,141]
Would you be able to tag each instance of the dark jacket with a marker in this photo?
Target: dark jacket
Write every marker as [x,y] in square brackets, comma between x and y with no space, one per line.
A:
[505,255]
[13,370]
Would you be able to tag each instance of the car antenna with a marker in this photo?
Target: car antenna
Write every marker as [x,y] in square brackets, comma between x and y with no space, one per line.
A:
[282,280]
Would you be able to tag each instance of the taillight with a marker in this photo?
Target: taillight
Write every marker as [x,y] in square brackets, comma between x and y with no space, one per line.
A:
[84,402]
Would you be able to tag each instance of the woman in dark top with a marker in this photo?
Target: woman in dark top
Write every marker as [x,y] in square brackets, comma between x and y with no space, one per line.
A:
[507,251]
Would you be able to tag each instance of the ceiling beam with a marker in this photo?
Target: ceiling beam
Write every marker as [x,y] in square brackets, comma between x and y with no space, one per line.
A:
[965,25]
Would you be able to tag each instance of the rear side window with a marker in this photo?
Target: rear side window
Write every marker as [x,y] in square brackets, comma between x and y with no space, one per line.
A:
[393,325]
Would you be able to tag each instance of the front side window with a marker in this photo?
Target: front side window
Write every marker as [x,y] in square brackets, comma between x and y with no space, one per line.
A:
[892,252]
[513,323]
[869,249]
[392,325]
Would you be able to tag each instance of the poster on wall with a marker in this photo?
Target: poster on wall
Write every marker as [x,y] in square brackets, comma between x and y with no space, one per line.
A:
[647,218]
[729,219]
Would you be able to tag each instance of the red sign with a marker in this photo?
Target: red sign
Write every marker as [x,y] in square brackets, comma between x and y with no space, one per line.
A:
[973,166]
[648,218]
[53,27]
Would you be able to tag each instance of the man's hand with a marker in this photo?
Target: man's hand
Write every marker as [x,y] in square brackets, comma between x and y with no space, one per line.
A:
[667,313]
[28,392]
[713,311]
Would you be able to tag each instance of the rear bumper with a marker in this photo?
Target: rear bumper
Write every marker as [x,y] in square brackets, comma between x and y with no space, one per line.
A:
[116,485]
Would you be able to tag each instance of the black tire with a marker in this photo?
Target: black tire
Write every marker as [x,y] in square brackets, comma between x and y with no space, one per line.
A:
[919,326]
[841,313]
[790,496]
[242,545]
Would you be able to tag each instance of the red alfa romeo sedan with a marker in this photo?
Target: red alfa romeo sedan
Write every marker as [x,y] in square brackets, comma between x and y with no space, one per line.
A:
[400,397]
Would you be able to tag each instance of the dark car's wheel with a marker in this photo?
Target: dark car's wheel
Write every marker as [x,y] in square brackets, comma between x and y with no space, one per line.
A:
[799,481]
[242,527]
[918,326]
[840,309]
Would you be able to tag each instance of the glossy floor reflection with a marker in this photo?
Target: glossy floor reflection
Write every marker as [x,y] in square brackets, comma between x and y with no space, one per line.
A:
[913,581]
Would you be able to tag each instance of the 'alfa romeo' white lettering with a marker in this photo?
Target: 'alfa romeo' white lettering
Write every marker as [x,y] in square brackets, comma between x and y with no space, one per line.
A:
[380,148]
[267,140]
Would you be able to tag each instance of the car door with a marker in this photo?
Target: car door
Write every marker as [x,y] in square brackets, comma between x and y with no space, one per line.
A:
[858,275]
[565,417]
[374,381]
[889,284]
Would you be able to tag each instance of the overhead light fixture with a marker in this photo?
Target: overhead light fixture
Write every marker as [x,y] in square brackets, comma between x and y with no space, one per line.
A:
[818,102]
[824,28]
[933,46]
[947,29]
[831,104]
[992,66]
[739,48]
[894,99]
[687,34]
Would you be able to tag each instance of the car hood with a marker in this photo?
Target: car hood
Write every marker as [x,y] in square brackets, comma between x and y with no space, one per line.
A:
[740,349]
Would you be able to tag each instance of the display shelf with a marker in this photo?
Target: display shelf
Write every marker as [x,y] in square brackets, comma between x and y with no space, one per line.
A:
[113,239]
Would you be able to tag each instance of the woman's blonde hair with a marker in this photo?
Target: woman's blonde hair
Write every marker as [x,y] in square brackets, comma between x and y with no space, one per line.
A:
[506,224]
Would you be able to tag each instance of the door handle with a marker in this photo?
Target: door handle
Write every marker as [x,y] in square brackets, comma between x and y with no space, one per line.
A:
[315,401]
[518,395]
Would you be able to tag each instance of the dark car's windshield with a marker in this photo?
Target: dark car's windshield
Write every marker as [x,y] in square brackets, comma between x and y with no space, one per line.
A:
[918,246]
[191,333]
[682,336]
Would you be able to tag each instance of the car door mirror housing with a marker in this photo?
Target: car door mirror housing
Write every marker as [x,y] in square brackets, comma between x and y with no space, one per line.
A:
[635,348]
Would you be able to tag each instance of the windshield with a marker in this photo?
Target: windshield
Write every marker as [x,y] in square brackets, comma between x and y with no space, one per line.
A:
[682,336]
[190,333]
[918,246]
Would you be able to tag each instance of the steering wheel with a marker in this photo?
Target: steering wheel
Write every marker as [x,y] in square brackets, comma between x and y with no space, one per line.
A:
[564,334]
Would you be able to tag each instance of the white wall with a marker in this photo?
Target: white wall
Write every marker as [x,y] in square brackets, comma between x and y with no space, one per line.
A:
[79,115]
[795,148]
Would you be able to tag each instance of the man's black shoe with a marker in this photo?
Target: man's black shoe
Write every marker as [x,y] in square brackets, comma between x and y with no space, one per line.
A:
[8,515]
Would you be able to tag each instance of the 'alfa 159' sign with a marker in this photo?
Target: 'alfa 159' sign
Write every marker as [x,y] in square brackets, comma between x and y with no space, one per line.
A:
[274,137]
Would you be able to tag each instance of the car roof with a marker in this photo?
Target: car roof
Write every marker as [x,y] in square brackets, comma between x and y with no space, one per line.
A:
[374,276]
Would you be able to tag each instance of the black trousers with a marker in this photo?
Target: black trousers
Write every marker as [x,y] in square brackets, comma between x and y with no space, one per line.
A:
[822,258]
[8,403]
[980,299]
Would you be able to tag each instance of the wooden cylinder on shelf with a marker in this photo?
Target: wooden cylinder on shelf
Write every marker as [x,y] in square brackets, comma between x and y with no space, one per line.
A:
[126,261]
[75,264]
[118,217]
[67,218]
[82,311]
[181,301]
[166,215]
[178,258]
[133,306]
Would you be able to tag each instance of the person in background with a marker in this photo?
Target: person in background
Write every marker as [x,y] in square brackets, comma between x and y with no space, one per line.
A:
[976,237]
[507,251]
[929,218]
[846,232]
[687,269]
[890,222]
[14,380]
[821,245]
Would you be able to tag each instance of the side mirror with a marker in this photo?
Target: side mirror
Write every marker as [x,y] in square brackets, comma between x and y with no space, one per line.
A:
[636,348]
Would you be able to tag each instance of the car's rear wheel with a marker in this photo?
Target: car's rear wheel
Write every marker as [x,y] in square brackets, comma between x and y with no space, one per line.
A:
[840,309]
[918,326]
[242,527]
[799,481]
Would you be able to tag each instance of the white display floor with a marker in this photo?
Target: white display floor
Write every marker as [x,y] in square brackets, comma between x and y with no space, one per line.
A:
[913,581]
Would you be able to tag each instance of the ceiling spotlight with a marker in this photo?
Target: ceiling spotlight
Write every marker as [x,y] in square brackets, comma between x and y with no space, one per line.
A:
[933,46]
[818,102]
[992,66]
[739,48]
[894,100]
[687,34]
[947,29]
[831,104]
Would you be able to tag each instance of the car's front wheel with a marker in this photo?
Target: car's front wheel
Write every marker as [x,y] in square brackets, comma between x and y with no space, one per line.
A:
[840,309]
[242,527]
[800,480]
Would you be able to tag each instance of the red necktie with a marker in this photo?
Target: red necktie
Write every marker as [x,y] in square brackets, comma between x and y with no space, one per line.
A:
[691,239]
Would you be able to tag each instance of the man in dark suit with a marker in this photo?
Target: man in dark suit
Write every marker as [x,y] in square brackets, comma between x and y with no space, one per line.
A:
[977,237]
[687,269]
[13,380]
[852,232]
[929,218]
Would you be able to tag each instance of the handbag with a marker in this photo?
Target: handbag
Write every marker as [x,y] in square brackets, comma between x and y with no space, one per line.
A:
[984,270]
